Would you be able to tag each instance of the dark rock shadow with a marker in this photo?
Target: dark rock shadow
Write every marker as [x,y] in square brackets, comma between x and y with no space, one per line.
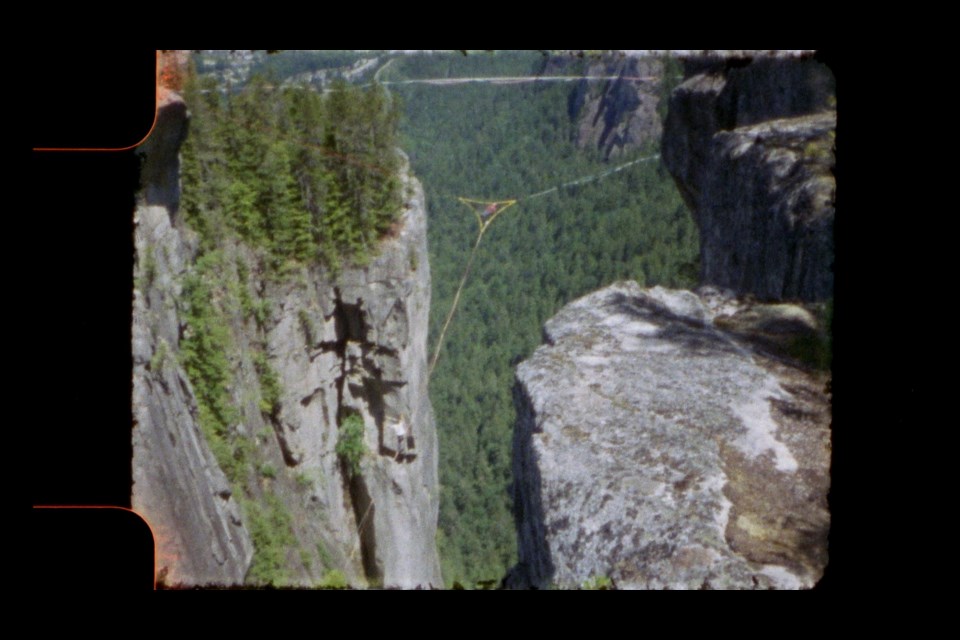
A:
[692,334]
[160,172]
[364,517]
[535,568]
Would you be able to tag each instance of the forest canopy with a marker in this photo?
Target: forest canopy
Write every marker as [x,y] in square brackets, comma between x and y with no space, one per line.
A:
[305,176]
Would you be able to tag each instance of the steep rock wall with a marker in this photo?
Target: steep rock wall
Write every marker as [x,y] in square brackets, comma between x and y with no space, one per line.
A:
[614,116]
[751,147]
[356,344]
[177,485]
[350,344]
[667,439]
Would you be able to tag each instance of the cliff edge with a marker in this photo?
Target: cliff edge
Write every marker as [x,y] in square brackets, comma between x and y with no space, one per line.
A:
[671,439]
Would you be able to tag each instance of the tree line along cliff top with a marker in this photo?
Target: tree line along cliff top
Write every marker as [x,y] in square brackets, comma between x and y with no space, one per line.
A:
[306,177]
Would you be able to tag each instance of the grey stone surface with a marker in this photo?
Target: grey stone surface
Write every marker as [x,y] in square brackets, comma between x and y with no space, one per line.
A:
[369,357]
[351,343]
[177,486]
[661,445]
[751,147]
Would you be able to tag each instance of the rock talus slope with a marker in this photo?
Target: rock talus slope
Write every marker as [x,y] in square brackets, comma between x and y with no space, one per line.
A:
[667,439]
[350,344]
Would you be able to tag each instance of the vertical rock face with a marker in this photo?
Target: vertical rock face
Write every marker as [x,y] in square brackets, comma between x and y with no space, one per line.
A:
[751,147]
[356,345]
[667,439]
[616,115]
[347,345]
[177,485]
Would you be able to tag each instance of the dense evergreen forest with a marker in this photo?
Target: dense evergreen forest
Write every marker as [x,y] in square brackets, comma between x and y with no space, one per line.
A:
[494,142]
[313,177]
[303,176]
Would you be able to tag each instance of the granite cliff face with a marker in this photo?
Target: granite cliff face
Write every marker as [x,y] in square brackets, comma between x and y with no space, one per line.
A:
[178,487]
[619,114]
[751,147]
[353,344]
[668,439]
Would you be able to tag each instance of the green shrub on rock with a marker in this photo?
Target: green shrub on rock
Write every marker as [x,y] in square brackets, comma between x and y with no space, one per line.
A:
[350,444]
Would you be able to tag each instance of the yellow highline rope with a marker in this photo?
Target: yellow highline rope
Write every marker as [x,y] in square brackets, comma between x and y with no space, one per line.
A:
[483,227]
[466,272]
[456,299]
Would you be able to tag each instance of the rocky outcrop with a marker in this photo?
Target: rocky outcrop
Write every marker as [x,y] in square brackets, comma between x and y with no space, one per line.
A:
[614,115]
[667,439]
[751,147]
[357,345]
[319,349]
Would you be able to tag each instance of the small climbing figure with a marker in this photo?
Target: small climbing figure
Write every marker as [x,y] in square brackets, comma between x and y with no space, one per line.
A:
[485,210]
[400,431]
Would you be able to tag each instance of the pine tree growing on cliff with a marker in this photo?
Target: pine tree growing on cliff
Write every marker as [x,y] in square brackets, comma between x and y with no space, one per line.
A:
[204,179]
[286,219]
[303,176]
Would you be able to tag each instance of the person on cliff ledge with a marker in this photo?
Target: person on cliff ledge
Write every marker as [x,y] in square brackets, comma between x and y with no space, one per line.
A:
[400,431]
